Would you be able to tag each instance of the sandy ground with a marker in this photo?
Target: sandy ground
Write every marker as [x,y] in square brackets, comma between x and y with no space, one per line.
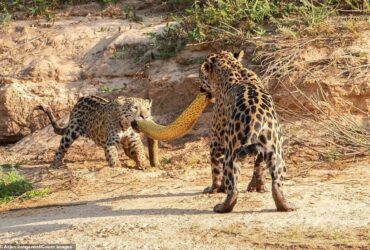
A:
[165,208]
[96,207]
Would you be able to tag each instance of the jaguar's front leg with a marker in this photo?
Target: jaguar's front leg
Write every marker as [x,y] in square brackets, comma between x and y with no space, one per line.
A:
[231,174]
[217,158]
[135,150]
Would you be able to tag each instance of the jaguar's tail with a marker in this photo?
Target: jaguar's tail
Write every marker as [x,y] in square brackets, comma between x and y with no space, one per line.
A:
[250,144]
[57,128]
[252,149]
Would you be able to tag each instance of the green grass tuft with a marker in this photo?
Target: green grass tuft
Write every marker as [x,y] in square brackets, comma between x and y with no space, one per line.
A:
[10,165]
[165,160]
[130,14]
[37,193]
[14,185]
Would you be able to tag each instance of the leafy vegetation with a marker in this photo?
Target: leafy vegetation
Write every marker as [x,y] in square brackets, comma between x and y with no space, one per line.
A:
[10,165]
[130,13]
[178,5]
[37,193]
[235,21]
[135,52]
[170,41]
[5,18]
[38,7]
[13,185]
[165,160]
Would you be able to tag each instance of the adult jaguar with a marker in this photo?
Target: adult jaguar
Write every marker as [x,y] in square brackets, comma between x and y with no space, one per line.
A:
[244,123]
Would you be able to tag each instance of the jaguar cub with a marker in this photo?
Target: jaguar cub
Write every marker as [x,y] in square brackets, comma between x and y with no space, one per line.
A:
[107,123]
[244,123]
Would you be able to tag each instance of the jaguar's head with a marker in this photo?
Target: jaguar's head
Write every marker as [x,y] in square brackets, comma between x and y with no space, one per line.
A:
[211,68]
[140,108]
[134,109]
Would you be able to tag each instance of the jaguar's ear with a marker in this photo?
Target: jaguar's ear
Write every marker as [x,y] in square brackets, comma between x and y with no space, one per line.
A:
[149,101]
[207,67]
[239,55]
[121,100]
[209,63]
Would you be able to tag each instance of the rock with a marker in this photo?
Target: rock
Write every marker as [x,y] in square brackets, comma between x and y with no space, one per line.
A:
[17,102]
[6,45]
[83,10]
[50,68]
[131,36]
[112,10]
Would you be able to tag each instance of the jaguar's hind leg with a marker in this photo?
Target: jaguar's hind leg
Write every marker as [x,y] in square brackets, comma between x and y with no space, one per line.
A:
[67,139]
[111,154]
[258,180]
[277,168]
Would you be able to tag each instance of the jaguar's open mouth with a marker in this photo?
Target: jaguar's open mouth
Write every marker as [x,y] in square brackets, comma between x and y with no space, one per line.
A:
[180,126]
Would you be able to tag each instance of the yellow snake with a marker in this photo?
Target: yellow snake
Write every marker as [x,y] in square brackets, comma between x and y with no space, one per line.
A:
[180,126]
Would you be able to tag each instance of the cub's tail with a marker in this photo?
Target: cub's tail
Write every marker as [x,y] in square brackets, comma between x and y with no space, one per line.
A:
[57,128]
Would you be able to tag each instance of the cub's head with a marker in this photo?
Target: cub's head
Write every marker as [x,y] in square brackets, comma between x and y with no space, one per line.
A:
[133,108]
[211,68]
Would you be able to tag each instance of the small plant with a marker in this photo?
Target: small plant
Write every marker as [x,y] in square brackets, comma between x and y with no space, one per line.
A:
[170,41]
[119,54]
[5,18]
[130,14]
[353,26]
[105,89]
[37,193]
[362,54]
[104,29]
[354,4]
[314,14]
[13,185]
[165,160]
[174,3]
[134,51]
[38,7]
[10,165]
[196,35]
[288,32]
[106,1]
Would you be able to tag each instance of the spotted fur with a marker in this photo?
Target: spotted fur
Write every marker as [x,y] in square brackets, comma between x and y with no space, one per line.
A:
[244,123]
[107,123]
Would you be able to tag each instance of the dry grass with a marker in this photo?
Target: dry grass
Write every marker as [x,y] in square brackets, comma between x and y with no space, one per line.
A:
[283,66]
